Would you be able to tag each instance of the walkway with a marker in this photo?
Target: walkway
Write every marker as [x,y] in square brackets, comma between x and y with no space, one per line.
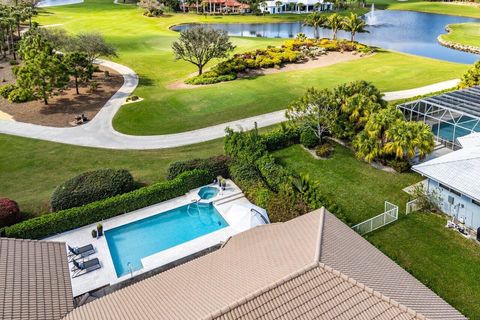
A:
[99,132]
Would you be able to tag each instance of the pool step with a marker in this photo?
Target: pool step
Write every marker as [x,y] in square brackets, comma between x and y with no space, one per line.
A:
[233,196]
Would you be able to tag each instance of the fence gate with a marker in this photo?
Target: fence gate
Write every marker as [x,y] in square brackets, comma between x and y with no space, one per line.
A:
[389,215]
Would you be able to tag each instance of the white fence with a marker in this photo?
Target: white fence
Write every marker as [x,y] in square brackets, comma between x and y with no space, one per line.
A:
[389,215]
[412,206]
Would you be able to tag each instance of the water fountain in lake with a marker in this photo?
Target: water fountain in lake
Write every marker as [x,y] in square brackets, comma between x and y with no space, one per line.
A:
[371,17]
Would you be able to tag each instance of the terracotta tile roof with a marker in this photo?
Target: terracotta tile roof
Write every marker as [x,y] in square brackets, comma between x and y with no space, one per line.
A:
[34,280]
[276,271]
[349,253]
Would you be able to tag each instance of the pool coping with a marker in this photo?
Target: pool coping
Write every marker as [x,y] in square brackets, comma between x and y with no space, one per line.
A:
[106,275]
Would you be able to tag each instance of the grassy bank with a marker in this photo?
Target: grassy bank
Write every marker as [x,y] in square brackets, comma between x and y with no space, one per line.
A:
[358,188]
[464,33]
[144,44]
[431,7]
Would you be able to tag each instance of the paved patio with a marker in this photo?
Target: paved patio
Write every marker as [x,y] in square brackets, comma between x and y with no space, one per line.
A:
[106,275]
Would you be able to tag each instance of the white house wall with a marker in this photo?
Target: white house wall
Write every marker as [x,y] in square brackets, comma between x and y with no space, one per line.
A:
[470,212]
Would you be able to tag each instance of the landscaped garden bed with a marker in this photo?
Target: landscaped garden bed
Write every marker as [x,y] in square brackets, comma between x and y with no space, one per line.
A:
[296,51]
[64,107]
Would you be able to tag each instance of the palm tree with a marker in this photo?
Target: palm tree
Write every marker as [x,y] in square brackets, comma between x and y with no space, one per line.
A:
[354,25]
[408,138]
[264,5]
[315,20]
[300,5]
[366,147]
[334,22]
[278,4]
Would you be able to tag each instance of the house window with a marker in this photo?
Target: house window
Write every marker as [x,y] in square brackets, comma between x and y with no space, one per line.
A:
[476,202]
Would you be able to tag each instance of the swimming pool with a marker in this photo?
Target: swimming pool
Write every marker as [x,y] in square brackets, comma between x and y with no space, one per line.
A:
[129,243]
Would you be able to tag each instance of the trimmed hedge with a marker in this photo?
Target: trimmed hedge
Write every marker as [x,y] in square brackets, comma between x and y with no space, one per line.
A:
[91,186]
[65,220]
[217,166]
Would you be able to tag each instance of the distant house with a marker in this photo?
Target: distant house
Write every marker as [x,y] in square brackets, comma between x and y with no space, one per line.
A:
[295,6]
[34,280]
[311,267]
[456,178]
[216,6]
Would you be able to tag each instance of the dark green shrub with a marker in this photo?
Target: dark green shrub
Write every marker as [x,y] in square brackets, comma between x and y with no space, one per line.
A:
[324,151]
[274,174]
[13,62]
[91,186]
[308,138]
[217,166]
[400,165]
[281,138]
[9,212]
[6,89]
[65,220]
[245,174]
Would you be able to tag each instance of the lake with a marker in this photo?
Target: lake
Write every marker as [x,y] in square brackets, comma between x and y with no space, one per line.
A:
[404,31]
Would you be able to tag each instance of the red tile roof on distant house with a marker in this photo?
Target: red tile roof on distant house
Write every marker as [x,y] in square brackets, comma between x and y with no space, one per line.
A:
[311,267]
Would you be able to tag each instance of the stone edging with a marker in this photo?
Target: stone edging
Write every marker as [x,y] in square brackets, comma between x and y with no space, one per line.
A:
[456,46]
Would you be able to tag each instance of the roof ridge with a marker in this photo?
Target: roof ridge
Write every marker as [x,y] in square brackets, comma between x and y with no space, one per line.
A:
[318,250]
[469,157]
[371,291]
[283,280]
[261,291]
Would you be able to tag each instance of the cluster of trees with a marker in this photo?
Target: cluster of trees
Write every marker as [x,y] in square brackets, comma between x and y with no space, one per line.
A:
[12,15]
[352,23]
[357,113]
[50,57]
[471,77]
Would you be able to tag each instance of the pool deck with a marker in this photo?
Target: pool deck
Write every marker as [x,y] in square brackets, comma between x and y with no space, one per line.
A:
[106,275]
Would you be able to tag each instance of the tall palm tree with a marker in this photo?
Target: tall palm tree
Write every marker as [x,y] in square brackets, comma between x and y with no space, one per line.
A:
[300,5]
[315,20]
[334,22]
[354,25]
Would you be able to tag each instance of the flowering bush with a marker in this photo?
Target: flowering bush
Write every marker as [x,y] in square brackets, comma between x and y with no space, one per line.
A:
[291,51]
[9,212]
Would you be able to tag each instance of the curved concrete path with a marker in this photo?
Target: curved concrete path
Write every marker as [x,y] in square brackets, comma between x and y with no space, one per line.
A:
[99,132]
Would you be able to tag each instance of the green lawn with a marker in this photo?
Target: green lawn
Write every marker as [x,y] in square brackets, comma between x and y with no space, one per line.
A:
[440,258]
[464,33]
[144,44]
[429,6]
[359,188]
[30,169]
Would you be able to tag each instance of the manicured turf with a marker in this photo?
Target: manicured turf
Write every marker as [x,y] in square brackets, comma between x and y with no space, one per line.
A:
[464,33]
[429,6]
[359,188]
[440,258]
[144,44]
[30,169]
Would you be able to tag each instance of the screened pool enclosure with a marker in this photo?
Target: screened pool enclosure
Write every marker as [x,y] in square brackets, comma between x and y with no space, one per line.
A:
[450,115]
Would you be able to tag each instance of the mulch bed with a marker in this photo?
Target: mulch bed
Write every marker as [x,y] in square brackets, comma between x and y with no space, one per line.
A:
[62,109]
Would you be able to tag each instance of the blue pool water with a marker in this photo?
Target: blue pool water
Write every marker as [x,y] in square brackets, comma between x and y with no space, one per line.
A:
[446,130]
[207,192]
[142,238]
[404,31]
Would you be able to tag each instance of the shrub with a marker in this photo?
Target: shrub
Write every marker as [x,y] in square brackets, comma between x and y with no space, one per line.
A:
[91,186]
[210,77]
[324,151]
[471,77]
[217,166]
[6,89]
[19,95]
[400,165]
[281,138]
[274,174]
[65,220]
[308,138]
[9,212]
